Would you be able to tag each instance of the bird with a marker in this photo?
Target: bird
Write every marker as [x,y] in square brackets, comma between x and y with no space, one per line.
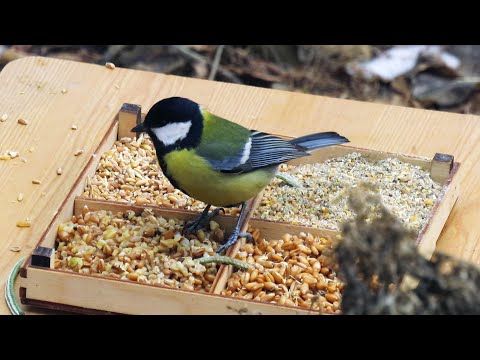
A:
[217,161]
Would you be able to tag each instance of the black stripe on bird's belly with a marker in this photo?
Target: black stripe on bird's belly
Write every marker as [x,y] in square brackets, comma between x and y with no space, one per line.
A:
[232,206]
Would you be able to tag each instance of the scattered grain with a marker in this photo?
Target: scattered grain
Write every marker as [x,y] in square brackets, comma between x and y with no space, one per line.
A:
[24,223]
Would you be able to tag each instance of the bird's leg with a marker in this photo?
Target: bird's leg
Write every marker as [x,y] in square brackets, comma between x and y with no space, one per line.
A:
[236,232]
[202,220]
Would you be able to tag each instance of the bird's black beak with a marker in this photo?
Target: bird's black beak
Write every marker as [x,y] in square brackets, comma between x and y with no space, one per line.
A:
[139,128]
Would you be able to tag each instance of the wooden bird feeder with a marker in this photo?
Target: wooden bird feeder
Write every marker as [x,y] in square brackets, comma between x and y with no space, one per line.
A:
[44,286]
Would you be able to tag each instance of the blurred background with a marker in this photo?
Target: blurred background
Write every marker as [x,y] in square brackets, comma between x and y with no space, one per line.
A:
[423,76]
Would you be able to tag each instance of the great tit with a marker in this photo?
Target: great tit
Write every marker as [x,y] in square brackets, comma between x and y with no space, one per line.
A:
[217,161]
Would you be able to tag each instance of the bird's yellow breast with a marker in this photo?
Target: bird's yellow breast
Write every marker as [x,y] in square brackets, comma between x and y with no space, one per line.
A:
[198,179]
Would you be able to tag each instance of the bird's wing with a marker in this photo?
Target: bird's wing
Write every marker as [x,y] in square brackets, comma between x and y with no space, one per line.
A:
[223,142]
[267,150]
[230,147]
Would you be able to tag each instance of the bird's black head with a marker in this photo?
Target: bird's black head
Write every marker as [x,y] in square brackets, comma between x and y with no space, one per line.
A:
[173,123]
[171,110]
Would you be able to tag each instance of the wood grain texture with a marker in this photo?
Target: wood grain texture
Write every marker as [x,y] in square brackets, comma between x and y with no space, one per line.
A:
[31,88]
[95,292]
[428,237]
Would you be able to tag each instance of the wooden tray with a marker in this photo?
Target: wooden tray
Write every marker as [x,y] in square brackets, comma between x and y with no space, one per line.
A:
[42,285]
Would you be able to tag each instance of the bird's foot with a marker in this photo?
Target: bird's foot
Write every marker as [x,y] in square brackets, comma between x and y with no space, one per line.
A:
[201,221]
[233,239]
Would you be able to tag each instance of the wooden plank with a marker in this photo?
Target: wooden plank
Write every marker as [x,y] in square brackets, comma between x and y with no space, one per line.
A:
[30,88]
[95,292]
[427,239]
[63,308]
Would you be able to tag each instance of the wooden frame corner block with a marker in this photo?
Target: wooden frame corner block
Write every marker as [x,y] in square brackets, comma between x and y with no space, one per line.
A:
[129,116]
[442,165]
[43,257]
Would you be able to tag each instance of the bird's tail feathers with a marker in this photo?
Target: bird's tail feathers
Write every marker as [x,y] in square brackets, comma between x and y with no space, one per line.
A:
[319,140]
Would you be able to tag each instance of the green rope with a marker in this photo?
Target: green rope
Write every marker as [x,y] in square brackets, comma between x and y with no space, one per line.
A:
[289,179]
[10,298]
[225,260]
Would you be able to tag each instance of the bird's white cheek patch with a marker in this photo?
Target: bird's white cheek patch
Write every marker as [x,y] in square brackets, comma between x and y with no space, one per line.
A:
[171,133]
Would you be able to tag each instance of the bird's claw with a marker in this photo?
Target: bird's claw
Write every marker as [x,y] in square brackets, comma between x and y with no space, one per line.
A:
[190,228]
[246,235]
[233,239]
[200,222]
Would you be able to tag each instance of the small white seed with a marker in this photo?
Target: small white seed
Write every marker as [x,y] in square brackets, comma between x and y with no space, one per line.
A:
[110,65]
[59,171]
[4,117]
[74,127]
[20,197]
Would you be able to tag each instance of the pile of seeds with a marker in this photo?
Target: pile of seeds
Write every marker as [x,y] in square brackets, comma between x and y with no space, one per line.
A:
[129,172]
[146,248]
[294,271]
[406,190]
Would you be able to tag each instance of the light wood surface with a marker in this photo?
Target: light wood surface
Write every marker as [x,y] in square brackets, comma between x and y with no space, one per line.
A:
[31,88]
